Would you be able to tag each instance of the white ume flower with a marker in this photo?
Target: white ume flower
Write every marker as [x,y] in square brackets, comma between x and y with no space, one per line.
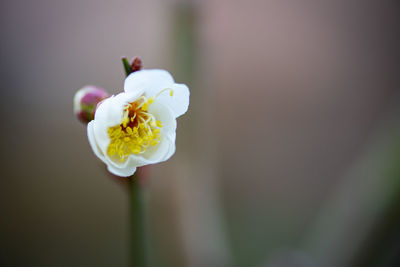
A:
[137,127]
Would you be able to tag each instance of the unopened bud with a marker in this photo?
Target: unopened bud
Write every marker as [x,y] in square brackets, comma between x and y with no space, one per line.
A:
[136,64]
[86,100]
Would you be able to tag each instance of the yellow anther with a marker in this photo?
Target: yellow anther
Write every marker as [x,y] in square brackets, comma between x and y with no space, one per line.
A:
[154,142]
[136,149]
[159,124]
[111,151]
[171,93]
[125,121]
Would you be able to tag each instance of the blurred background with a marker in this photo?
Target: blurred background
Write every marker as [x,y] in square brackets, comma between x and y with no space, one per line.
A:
[289,154]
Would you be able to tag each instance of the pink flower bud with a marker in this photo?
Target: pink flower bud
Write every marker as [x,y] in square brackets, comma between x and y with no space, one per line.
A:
[86,100]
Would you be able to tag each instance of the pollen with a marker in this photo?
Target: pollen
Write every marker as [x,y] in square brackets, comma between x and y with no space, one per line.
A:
[138,131]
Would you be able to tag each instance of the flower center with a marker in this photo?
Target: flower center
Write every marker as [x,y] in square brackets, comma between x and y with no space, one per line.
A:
[138,131]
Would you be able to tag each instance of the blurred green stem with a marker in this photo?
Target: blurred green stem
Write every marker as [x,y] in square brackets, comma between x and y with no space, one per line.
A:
[138,233]
[127,66]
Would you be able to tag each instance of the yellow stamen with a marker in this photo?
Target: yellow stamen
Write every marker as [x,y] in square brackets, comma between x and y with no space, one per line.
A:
[171,92]
[137,132]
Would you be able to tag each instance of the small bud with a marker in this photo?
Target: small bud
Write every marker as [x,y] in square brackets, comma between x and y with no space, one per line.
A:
[86,100]
[136,64]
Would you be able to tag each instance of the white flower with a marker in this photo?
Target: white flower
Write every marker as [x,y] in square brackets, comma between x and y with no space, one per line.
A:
[137,127]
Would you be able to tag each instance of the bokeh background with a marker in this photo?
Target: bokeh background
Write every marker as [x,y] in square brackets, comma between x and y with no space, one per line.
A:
[289,154]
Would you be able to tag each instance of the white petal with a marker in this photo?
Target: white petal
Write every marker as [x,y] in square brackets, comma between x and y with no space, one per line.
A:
[166,148]
[92,141]
[98,145]
[123,172]
[111,109]
[100,133]
[179,101]
[152,81]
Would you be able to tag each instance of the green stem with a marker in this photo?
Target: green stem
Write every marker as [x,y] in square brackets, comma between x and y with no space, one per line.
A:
[127,66]
[138,233]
